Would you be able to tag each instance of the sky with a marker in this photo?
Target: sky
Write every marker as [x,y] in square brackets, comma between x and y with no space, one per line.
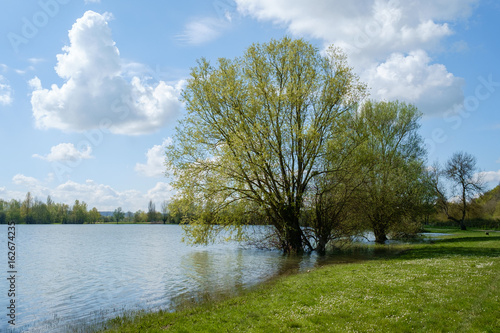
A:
[90,89]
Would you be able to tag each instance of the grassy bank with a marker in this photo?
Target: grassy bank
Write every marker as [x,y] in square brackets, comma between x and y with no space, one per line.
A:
[451,285]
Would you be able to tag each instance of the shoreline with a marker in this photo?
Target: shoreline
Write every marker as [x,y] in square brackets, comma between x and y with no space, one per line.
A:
[422,287]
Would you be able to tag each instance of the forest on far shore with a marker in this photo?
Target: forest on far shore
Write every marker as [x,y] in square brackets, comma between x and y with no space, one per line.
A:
[34,211]
[484,211]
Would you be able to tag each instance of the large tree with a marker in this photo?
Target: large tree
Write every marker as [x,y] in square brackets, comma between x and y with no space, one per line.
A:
[255,131]
[394,175]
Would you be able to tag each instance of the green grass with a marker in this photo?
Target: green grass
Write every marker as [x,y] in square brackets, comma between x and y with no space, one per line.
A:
[451,285]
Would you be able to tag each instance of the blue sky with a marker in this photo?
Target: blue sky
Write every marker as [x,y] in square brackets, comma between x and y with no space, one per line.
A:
[89,90]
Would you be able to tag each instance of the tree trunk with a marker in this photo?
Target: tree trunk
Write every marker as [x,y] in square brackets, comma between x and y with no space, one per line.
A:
[293,240]
[462,225]
[292,234]
[321,246]
[380,233]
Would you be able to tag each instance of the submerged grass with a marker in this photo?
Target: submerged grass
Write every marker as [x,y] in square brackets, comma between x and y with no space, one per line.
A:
[449,285]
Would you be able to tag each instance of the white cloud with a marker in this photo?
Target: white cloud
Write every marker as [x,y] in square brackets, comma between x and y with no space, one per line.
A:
[161,192]
[92,1]
[104,197]
[5,92]
[96,90]
[414,79]
[380,35]
[203,30]
[101,196]
[35,83]
[377,26]
[35,61]
[67,152]
[23,180]
[155,165]
[490,176]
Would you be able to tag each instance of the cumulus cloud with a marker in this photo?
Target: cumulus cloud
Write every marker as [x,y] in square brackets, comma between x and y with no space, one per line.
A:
[105,197]
[155,165]
[5,92]
[67,152]
[377,26]
[97,91]
[101,196]
[414,79]
[380,37]
[490,176]
[23,180]
[160,192]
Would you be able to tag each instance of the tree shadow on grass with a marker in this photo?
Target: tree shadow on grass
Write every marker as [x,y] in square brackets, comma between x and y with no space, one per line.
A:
[489,238]
[440,252]
[472,247]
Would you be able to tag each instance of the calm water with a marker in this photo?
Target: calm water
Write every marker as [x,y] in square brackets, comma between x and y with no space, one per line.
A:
[73,276]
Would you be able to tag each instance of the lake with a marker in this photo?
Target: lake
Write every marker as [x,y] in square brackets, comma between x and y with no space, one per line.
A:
[71,277]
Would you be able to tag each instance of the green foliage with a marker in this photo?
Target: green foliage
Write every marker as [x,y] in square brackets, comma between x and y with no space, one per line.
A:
[118,214]
[489,203]
[256,130]
[34,211]
[464,184]
[395,186]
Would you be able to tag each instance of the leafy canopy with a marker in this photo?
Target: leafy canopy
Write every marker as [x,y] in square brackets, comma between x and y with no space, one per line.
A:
[256,130]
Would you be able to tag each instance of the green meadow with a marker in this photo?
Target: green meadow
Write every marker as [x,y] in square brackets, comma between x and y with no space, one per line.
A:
[450,284]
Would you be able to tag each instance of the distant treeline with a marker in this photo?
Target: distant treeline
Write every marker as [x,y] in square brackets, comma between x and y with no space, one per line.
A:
[484,212]
[34,211]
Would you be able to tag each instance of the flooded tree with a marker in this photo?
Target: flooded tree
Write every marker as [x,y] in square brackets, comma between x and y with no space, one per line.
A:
[256,130]
[394,175]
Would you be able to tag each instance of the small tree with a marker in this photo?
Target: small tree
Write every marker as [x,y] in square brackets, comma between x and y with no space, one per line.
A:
[164,211]
[26,209]
[151,211]
[94,215]
[465,182]
[3,214]
[79,212]
[118,214]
